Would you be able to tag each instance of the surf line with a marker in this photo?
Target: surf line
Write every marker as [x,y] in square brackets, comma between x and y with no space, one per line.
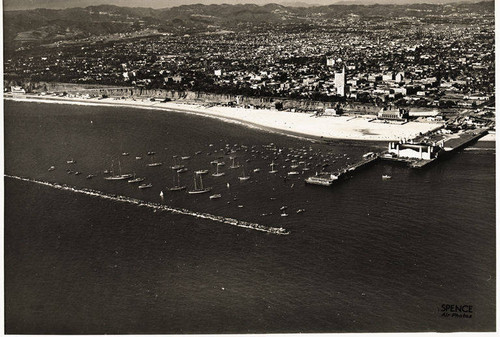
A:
[156,206]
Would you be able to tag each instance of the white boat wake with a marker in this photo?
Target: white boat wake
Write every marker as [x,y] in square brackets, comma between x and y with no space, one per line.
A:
[156,206]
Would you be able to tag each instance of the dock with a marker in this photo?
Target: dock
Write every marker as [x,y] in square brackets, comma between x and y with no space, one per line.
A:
[328,178]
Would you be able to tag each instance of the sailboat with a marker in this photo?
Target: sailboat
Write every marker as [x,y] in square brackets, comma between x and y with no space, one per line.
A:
[177,165]
[243,177]
[272,168]
[233,165]
[200,189]
[153,163]
[118,176]
[135,179]
[217,173]
[177,185]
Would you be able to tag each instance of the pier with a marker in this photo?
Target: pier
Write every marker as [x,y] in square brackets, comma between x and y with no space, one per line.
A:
[417,153]
[328,178]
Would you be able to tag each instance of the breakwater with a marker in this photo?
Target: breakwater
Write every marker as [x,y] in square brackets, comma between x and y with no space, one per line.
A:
[159,207]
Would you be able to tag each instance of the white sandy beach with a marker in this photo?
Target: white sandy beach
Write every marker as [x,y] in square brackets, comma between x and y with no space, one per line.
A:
[334,127]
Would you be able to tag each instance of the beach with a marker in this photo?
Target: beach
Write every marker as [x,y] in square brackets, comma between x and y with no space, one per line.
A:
[290,123]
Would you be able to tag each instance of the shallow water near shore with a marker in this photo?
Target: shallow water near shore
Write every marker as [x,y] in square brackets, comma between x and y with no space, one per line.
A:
[366,255]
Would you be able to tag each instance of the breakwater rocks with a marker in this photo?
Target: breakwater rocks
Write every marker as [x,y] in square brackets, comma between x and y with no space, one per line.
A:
[158,207]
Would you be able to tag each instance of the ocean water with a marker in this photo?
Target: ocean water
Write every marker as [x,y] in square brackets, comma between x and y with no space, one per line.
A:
[366,255]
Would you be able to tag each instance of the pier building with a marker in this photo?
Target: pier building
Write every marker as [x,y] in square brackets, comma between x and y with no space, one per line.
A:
[414,151]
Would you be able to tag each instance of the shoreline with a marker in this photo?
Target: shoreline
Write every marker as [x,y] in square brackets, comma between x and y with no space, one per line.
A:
[299,125]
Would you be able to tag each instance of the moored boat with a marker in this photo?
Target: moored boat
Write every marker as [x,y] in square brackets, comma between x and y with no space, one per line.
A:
[143,186]
[136,180]
[199,189]
[243,176]
[272,168]
[177,184]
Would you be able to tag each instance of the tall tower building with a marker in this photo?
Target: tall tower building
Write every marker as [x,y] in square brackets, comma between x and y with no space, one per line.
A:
[340,82]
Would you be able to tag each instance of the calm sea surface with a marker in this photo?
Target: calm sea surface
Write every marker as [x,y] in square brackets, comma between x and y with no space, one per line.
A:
[366,255]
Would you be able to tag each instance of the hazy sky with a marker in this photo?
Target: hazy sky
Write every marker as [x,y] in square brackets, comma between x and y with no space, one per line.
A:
[31,4]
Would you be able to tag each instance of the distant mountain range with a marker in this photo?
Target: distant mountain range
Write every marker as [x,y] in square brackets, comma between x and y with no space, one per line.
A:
[9,5]
[31,28]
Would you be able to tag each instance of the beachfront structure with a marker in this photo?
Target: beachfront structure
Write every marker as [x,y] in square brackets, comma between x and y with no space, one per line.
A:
[414,151]
[396,114]
[17,90]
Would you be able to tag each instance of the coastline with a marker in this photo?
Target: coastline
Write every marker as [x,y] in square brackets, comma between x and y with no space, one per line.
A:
[300,125]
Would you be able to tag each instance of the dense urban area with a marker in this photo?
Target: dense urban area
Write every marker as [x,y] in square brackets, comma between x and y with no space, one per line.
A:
[438,56]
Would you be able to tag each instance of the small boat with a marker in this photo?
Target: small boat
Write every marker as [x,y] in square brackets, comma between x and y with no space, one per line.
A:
[125,154]
[177,184]
[201,172]
[214,162]
[77,173]
[200,189]
[71,161]
[69,171]
[272,168]
[217,173]
[161,194]
[153,163]
[136,180]
[385,176]
[243,177]
[118,176]
[138,158]
[233,165]
[105,171]
[90,176]
[293,173]
[300,211]
[282,208]
[284,214]
[256,170]
[185,158]
[151,153]
[177,165]
[182,170]
[215,196]
[143,186]
[197,152]
[52,168]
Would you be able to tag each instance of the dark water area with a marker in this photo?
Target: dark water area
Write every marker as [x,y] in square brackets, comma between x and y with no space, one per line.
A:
[366,255]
